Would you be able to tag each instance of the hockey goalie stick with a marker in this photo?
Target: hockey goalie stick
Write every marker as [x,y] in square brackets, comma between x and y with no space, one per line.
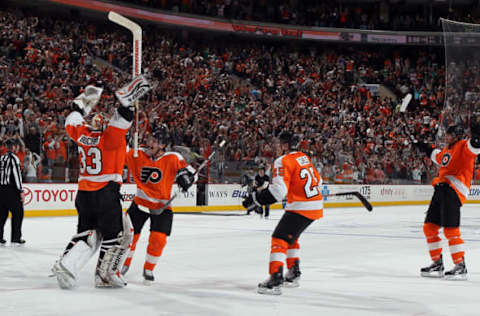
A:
[204,163]
[136,61]
[356,194]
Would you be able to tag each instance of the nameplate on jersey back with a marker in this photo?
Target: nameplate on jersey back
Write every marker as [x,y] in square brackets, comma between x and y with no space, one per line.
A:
[89,141]
[303,160]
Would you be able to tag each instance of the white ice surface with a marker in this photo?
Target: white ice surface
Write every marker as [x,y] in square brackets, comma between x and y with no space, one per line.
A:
[353,263]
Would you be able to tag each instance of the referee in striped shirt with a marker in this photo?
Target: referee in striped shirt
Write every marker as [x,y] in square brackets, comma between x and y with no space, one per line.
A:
[10,193]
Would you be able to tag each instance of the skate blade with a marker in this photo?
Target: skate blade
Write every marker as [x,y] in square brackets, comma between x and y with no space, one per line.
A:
[458,277]
[436,275]
[273,291]
[16,245]
[292,284]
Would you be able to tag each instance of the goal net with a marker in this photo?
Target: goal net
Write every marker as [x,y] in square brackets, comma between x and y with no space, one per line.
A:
[462,65]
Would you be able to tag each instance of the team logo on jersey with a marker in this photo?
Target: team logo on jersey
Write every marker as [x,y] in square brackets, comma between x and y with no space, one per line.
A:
[446,159]
[150,174]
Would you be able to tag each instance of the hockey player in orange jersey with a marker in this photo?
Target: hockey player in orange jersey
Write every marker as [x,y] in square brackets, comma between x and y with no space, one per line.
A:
[452,186]
[154,172]
[294,177]
[101,222]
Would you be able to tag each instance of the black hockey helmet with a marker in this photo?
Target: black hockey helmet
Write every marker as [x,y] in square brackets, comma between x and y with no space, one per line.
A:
[289,138]
[455,130]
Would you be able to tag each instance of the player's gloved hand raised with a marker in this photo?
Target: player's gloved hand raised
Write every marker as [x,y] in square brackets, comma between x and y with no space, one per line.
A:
[250,202]
[133,91]
[422,146]
[475,125]
[185,179]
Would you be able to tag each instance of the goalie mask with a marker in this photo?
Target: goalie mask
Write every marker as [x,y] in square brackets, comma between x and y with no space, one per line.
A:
[98,122]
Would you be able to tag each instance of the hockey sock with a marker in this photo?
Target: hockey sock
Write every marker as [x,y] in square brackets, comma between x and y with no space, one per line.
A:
[455,242]
[131,251]
[156,243]
[293,254]
[433,240]
[278,254]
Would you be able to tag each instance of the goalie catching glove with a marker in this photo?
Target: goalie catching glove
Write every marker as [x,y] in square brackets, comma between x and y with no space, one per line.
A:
[133,91]
[185,179]
[87,100]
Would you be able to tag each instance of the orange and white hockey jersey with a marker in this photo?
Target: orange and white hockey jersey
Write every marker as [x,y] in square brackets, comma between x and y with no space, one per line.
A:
[102,154]
[295,177]
[456,166]
[154,178]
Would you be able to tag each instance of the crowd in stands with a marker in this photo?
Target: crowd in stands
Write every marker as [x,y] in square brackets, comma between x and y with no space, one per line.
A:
[204,90]
[373,15]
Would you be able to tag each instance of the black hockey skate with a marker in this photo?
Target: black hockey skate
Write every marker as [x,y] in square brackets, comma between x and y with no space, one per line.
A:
[293,275]
[272,285]
[459,272]
[435,270]
[148,278]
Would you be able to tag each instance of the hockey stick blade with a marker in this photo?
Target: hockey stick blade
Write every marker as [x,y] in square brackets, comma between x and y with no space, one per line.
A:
[405,102]
[359,196]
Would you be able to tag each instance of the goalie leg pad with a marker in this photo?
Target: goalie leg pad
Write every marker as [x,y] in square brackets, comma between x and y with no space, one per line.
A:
[112,255]
[81,248]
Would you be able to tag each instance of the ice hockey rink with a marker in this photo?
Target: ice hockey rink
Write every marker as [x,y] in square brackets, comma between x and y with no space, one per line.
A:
[353,263]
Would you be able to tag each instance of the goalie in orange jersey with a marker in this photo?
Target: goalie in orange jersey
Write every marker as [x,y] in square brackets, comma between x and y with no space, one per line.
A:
[154,170]
[452,185]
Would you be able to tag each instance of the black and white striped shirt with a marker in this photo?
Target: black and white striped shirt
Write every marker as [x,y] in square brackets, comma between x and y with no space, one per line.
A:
[10,174]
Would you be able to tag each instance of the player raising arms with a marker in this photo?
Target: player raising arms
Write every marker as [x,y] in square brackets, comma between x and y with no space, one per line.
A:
[295,177]
[154,172]
[452,185]
[101,223]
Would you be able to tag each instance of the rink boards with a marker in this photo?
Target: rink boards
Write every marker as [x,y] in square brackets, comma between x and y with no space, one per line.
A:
[52,199]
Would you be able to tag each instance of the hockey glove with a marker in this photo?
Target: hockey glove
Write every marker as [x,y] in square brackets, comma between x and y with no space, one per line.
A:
[133,91]
[423,147]
[87,100]
[475,130]
[185,179]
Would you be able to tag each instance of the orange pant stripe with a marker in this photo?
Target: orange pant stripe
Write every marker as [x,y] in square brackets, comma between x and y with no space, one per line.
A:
[156,243]
[278,246]
[455,243]
[433,240]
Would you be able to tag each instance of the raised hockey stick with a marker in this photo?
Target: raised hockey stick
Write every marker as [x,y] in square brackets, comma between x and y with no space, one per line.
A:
[136,61]
[403,108]
[204,163]
[358,195]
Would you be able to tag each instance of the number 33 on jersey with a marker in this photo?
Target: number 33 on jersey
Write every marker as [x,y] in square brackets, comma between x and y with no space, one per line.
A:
[102,154]
[295,176]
